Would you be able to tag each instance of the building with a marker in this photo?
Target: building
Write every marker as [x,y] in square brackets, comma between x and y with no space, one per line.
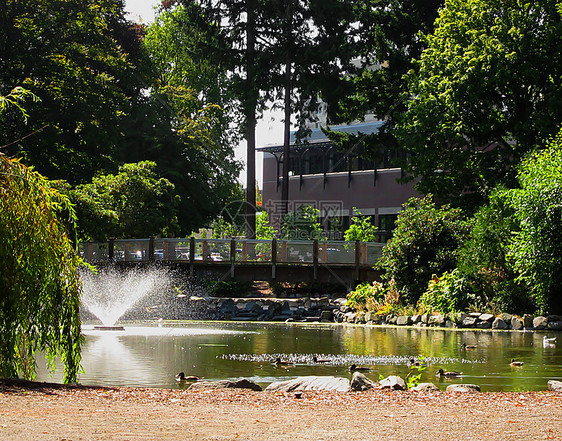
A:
[336,182]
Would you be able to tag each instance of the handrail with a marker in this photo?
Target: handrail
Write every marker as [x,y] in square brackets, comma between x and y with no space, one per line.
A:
[234,251]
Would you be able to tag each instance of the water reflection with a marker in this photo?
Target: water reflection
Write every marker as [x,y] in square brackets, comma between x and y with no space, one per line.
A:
[152,356]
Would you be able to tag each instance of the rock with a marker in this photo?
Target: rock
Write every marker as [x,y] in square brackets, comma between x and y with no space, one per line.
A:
[465,388]
[393,382]
[416,319]
[468,322]
[528,321]
[404,320]
[425,387]
[556,326]
[360,382]
[480,324]
[554,318]
[336,384]
[499,324]
[486,318]
[540,322]
[242,383]
[227,306]
[555,385]
[425,318]
[506,317]
[436,320]
[326,316]
[517,324]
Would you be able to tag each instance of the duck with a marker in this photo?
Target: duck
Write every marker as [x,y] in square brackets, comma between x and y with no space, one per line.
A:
[319,360]
[279,362]
[181,377]
[442,373]
[415,363]
[354,367]
[465,346]
[516,363]
[548,340]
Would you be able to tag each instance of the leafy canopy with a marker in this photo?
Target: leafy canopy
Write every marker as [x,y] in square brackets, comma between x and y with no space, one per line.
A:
[537,206]
[135,202]
[487,92]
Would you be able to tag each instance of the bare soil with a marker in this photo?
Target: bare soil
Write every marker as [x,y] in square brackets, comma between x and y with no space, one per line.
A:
[41,411]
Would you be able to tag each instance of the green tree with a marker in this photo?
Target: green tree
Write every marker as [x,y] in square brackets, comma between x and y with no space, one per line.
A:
[135,202]
[361,228]
[82,60]
[387,43]
[264,230]
[302,224]
[483,262]
[425,243]
[537,245]
[39,286]
[488,91]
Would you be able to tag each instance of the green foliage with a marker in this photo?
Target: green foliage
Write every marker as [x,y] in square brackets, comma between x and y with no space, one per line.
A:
[361,229]
[365,293]
[483,260]
[302,224]
[136,202]
[264,230]
[221,288]
[487,92]
[425,242]
[418,366]
[82,59]
[381,298]
[224,230]
[537,246]
[445,294]
[39,286]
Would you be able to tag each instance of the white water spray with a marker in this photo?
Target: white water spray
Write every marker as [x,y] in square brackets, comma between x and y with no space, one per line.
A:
[111,292]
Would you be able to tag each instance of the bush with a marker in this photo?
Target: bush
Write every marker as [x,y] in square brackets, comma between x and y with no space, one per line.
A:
[377,297]
[445,294]
[425,242]
[483,261]
[537,246]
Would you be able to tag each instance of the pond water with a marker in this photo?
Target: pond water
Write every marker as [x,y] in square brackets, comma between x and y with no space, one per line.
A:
[150,355]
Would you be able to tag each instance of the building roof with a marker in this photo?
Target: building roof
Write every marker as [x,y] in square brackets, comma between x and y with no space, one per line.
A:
[317,137]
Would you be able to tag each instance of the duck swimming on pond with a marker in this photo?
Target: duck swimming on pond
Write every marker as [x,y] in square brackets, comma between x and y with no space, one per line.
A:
[181,377]
[465,346]
[319,360]
[354,367]
[279,362]
[548,341]
[516,363]
[442,373]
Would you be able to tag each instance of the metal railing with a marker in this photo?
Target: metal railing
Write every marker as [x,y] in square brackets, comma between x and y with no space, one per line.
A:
[234,251]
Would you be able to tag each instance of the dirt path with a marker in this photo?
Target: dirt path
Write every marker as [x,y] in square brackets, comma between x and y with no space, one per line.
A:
[52,412]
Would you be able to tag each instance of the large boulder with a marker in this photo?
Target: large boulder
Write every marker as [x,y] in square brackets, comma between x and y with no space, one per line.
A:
[540,322]
[312,382]
[517,324]
[499,323]
[393,382]
[242,383]
[404,320]
[463,388]
[360,382]
[425,387]
[555,385]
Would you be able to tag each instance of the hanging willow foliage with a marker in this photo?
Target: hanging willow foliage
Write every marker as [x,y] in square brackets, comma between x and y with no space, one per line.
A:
[39,285]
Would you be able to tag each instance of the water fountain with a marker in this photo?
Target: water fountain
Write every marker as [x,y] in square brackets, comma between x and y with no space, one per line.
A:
[110,293]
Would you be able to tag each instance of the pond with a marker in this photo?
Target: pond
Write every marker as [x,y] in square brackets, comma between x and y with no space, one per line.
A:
[151,354]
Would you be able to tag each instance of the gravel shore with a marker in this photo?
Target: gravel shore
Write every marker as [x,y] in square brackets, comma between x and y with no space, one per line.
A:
[41,411]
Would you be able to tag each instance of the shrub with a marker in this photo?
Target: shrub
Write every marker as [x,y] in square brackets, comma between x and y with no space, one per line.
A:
[425,242]
[537,246]
[445,294]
